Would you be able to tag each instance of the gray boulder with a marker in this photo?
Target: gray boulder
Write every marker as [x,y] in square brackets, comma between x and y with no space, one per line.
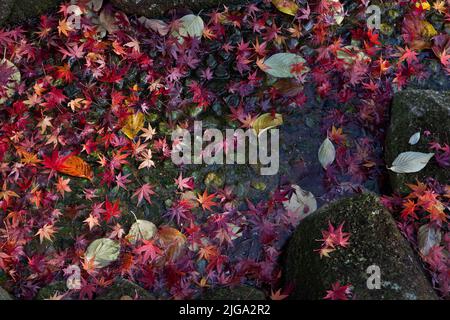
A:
[374,240]
[413,111]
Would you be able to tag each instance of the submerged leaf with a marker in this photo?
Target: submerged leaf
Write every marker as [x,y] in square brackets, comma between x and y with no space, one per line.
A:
[280,65]
[103,251]
[327,153]
[142,230]
[410,162]
[414,138]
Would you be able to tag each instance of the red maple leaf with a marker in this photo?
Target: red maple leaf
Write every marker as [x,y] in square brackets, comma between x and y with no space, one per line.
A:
[149,250]
[338,292]
[206,200]
[111,210]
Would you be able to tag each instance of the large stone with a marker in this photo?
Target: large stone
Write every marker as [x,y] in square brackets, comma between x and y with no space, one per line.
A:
[240,292]
[412,111]
[4,295]
[16,11]
[157,8]
[374,240]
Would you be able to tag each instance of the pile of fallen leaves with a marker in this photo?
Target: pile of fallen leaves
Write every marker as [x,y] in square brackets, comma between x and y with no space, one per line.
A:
[85,114]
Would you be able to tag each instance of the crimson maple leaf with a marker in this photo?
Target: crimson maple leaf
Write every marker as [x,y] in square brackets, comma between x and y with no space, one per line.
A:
[149,250]
[112,210]
[338,292]
[144,192]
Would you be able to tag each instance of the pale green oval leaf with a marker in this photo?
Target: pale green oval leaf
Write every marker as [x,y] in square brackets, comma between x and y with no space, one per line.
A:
[191,25]
[414,138]
[280,64]
[142,230]
[103,251]
[410,162]
[327,153]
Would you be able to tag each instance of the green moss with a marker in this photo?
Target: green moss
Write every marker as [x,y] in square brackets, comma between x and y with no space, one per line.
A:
[241,292]
[374,240]
[412,111]
[52,289]
[124,288]
[25,9]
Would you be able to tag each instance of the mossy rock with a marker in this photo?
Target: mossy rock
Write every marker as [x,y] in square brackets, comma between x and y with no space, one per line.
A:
[123,289]
[4,295]
[158,8]
[16,11]
[240,292]
[374,240]
[55,288]
[413,111]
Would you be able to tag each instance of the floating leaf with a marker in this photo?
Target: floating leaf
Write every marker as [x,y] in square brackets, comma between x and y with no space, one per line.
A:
[103,251]
[267,121]
[142,230]
[173,240]
[286,6]
[410,162]
[9,79]
[191,25]
[327,153]
[133,125]
[414,138]
[280,65]
[77,167]
[428,238]
[302,202]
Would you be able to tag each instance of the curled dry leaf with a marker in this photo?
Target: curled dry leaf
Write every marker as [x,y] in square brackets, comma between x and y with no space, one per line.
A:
[267,121]
[77,167]
[302,202]
[410,162]
[142,230]
[280,65]
[327,153]
[103,251]
[133,125]
[414,138]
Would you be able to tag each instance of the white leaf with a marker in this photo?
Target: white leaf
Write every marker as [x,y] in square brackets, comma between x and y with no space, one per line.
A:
[142,229]
[410,162]
[302,202]
[279,65]
[428,238]
[414,138]
[327,153]
[103,251]
[191,25]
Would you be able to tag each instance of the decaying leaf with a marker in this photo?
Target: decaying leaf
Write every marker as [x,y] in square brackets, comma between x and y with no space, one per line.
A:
[327,153]
[9,79]
[428,237]
[414,138]
[302,202]
[286,6]
[267,121]
[77,167]
[173,240]
[108,21]
[156,25]
[281,65]
[191,25]
[102,252]
[410,162]
[142,230]
[133,125]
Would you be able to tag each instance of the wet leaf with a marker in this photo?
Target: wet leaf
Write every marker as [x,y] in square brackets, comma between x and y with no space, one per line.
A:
[286,6]
[77,167]
[327,153]
[142,230]
[103,251]
[302,202]
[414,138]
[133,125]
[267,121]
[280,65]
[428,237]
[410,162]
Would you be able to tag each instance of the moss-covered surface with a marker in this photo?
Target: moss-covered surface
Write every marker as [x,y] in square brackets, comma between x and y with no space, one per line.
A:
[374,240]
[4,295]
[15,11]
[240,292]
[155,8]
[123,289]
[51,290]
[412,111]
